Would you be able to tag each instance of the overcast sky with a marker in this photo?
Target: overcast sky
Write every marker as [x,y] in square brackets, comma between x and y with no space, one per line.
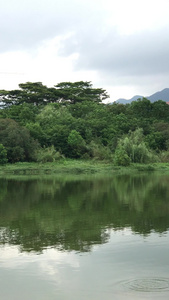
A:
[119,45]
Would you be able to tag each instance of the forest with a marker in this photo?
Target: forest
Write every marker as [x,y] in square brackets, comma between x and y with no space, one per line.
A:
[70,120]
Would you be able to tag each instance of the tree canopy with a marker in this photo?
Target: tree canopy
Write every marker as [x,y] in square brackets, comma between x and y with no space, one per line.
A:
[38,94]
[80,91]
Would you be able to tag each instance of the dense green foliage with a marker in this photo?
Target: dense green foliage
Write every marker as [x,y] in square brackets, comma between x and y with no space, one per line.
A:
[3,155]
[71,120]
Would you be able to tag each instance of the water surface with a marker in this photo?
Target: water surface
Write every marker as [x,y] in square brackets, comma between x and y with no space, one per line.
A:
[92,238]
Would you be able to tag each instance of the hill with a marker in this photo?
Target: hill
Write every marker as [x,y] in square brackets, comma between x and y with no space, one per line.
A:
[161,95]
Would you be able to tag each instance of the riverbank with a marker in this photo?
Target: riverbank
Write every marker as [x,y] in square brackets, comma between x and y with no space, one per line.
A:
[76,167]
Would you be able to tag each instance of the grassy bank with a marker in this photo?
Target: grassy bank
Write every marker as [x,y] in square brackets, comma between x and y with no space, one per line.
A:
[76,167]
[61,167]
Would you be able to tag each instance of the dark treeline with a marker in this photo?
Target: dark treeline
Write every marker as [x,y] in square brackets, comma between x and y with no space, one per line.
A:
[42,124]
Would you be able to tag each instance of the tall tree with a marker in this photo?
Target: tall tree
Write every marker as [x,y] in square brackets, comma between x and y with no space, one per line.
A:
[30,92]
[79,91]
[39,94]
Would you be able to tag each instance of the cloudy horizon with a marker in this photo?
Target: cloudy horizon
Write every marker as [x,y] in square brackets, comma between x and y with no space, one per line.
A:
[121,46]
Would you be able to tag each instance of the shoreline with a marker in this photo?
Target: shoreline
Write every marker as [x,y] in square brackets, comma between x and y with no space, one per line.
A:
[77,167]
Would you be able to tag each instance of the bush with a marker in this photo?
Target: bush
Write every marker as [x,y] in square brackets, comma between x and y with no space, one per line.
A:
[98,151]
[17,141]
[134,146]
[164,156]
[48,154]
[77,145]
[121,158]
[15,154]
[3,155]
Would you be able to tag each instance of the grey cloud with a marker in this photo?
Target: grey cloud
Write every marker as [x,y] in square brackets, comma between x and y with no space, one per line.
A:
[24,24]
[140,60]
[140,54]
[25,27]
[118,59]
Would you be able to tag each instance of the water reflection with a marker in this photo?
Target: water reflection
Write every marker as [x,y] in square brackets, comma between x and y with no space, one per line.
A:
[127,267]
[76,214]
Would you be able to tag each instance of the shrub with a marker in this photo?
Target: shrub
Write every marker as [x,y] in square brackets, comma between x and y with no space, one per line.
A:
[76,144]
[17,141]
[48,154]
[3,155]
[164,156]
[98,151]
[121,158]
[134,146]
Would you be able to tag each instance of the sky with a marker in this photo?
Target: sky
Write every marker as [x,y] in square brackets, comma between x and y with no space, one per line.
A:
[121,46]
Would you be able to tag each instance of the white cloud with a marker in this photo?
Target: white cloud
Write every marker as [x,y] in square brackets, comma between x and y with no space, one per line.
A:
[132,16]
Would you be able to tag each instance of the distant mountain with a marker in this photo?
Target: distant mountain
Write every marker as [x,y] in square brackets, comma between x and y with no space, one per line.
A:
[162,95]
[125,101]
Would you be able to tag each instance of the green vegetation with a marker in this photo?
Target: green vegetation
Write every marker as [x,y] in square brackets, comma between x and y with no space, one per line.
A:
[68,167]
[69,120]
[3,155]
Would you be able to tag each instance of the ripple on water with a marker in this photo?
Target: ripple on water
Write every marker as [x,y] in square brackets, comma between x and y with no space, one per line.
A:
[147,284]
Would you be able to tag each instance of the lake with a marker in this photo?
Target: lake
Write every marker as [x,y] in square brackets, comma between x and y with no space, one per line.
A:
[81,238]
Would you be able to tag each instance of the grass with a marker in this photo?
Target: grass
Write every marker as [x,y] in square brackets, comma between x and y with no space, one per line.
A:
[77,167]
[61,167]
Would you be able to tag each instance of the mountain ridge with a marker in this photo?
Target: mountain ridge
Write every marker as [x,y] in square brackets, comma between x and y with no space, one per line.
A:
[160,95]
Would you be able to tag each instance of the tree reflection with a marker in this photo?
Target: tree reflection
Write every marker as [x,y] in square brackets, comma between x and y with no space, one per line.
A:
[75,214]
